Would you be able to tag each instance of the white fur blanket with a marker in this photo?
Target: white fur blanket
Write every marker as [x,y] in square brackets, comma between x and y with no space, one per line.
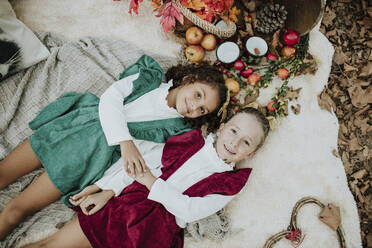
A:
[297,159]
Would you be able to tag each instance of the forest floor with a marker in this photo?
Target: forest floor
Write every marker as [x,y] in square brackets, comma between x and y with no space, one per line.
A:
[348,26]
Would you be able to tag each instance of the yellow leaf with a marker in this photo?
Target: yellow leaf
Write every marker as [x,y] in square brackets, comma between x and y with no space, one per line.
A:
[156,4]
[233,12]
[193,4]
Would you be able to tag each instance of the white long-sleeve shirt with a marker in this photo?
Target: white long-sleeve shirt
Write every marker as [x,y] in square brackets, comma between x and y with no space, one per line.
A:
[169,193]
[114,117]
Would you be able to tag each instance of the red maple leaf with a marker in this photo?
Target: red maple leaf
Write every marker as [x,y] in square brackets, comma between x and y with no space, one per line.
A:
[219,6]
[169,12]
[134,6]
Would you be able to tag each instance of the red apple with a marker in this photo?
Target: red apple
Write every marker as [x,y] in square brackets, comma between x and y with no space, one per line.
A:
[194,53]
[270,106]
[283,73]
[194,35]
[253,79]
[247,72]
[291,37]
[238,65]
[233,86]
[288,51]
[271,57]
[209,42]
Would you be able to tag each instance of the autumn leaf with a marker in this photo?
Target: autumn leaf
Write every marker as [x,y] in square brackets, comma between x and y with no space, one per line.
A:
[133,6]
[354,145]
[296,109]
[233,13]
[169,12]
[292,94]
[330,215]
[366,70]
[193,4]
[326,102]
[359,96]
[156,4]
[219,6]
[206,14]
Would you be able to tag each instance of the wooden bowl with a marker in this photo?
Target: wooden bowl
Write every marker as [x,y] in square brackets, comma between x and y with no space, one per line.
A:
[303,15]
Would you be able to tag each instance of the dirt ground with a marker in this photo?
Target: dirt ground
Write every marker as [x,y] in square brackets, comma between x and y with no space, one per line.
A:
[348,25]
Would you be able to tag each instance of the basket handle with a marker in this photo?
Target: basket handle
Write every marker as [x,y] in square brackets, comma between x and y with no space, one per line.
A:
[208,27]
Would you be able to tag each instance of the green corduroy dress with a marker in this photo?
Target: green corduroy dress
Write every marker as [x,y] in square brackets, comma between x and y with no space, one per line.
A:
[69,140]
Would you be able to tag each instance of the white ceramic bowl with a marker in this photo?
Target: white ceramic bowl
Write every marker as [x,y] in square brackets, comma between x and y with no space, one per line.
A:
[256,42]
[228,52]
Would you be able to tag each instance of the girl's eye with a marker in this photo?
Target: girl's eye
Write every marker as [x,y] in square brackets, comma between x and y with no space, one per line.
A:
[202,110]
[246,142]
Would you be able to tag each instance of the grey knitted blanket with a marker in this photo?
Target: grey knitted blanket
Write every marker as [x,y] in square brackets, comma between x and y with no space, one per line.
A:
[88,65]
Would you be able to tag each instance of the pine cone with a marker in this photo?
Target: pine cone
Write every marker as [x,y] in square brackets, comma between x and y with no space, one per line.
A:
[270,18]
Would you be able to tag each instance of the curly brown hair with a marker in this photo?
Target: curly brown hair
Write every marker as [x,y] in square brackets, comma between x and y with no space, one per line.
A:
[203,73]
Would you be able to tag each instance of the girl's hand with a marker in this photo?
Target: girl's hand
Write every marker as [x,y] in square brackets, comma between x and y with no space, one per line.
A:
[147,179]
[82,195]
[134,163]
[92,203]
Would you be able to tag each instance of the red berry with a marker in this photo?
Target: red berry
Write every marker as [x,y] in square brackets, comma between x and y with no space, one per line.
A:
[288,51]
[283,73]
[253,79]
[271,57]
[238,65]
[291,37]
[247,72]
[270,106]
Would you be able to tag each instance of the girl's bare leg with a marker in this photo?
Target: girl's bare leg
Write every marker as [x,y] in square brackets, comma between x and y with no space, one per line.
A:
[19,162]
[70,236]
[38,195]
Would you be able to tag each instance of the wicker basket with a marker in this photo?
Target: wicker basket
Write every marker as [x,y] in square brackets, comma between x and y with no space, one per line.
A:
[206,26]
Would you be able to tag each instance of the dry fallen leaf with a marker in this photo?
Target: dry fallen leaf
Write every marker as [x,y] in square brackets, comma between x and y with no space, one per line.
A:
[326,102]
[348,68]
[292,94]
[335,153]
[354,145]
[296,109]
[328,17]
[272,122]
[366,70]
[249,29]
[275,43]
[330,215]
[362,124]
[339,57]
[251,98]
[251,5]
[360,97]
[354,188]
[359,174]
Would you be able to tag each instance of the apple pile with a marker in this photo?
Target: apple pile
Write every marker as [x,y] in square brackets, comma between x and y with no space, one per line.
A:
[198,44]
[247,72]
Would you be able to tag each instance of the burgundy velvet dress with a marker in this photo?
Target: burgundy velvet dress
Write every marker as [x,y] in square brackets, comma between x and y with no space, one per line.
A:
[133,221]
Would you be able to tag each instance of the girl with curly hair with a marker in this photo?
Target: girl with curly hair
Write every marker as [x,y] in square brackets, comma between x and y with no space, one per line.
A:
[79,137]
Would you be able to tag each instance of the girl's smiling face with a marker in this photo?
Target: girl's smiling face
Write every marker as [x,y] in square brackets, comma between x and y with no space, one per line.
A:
[238,138]
[196,99]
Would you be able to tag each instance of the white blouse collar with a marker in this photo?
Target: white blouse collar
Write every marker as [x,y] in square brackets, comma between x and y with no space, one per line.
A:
[209,144]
